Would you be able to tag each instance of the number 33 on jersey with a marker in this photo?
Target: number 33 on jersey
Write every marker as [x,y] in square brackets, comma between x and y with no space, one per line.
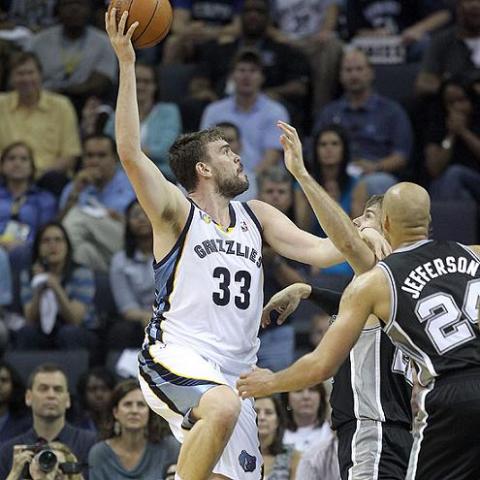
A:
[209,289]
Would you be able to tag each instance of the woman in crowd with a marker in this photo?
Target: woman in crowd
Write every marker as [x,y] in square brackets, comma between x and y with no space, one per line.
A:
[136,444]
[95,389]
[452,152]
[132,282]
[160,122]
[331,156]
[24,207]
[56,295]
[306,417]
[14,419]
[280,461]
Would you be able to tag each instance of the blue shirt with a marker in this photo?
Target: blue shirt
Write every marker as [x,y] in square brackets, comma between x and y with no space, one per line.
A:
[132,281]
[158,130]
[13,425]
[377,129]
[116,194]
[37,207]
[258,126]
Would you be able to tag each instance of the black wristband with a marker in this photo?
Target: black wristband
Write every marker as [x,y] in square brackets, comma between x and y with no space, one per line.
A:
[326,299]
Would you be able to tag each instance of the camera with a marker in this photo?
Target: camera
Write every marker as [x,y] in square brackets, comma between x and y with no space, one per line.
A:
[48,461]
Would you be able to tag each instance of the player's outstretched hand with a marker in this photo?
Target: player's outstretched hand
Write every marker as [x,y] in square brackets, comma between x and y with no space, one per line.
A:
[285,302]
[377,243]
[257,383]
[292,149]
[121,41]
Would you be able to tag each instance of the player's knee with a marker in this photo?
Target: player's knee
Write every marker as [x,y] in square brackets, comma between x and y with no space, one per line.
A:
[224,407]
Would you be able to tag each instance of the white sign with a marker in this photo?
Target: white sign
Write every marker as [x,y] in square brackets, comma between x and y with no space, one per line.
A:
[382,50]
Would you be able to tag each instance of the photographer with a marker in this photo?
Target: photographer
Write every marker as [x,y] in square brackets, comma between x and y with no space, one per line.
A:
[48,397]
[27,463]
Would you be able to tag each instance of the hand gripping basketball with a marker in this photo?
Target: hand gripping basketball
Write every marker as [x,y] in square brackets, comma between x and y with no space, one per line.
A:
[154,19]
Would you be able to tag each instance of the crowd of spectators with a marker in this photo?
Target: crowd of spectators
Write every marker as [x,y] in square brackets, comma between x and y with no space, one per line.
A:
[76,247]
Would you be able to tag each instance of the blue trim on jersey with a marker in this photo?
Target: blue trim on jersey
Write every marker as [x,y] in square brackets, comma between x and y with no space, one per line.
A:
[253,217]
[179,241]
[164,272]
[151,378]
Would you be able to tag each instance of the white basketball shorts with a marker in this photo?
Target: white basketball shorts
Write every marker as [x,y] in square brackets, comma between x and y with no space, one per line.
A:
[173,378]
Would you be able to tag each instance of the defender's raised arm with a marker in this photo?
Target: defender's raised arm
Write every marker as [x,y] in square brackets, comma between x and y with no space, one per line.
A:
[334,221]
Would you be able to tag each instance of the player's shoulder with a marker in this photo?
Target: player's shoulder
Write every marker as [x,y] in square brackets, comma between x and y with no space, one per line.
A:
[262,210]
[368,281]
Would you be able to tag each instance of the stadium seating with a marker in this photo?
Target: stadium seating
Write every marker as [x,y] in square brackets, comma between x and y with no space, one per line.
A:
[73,362]
[456,221]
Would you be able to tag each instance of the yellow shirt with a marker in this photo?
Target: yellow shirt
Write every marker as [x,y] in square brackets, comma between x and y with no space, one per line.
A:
[50,127]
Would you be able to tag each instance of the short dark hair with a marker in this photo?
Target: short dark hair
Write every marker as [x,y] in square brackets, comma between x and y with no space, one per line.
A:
[100,136]
[45,368]
[20,58]
[224,125]
[157,428]
[188,150]
[102,373]
[373,201]
[247,55]
[273,174]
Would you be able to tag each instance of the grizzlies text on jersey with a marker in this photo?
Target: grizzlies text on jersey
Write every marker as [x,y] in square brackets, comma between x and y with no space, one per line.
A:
[209,289]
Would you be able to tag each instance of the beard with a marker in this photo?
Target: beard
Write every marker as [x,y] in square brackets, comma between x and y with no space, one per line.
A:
[231,187]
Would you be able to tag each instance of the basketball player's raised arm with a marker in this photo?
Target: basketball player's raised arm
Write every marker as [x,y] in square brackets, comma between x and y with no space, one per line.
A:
[157,196]
[332,218]
[291,242]
[367,294]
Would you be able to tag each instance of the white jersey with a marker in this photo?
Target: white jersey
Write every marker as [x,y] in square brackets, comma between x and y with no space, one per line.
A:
[209,289]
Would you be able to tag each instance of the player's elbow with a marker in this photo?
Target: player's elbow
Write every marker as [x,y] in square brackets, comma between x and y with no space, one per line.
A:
[321,373]
[319,370]
[127,153]
[349,247]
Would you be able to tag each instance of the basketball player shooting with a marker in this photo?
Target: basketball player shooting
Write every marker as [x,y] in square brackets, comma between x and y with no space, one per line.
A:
[427,295]
[209,284]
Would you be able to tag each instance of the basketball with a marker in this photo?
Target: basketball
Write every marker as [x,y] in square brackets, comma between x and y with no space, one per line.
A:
[154,18]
